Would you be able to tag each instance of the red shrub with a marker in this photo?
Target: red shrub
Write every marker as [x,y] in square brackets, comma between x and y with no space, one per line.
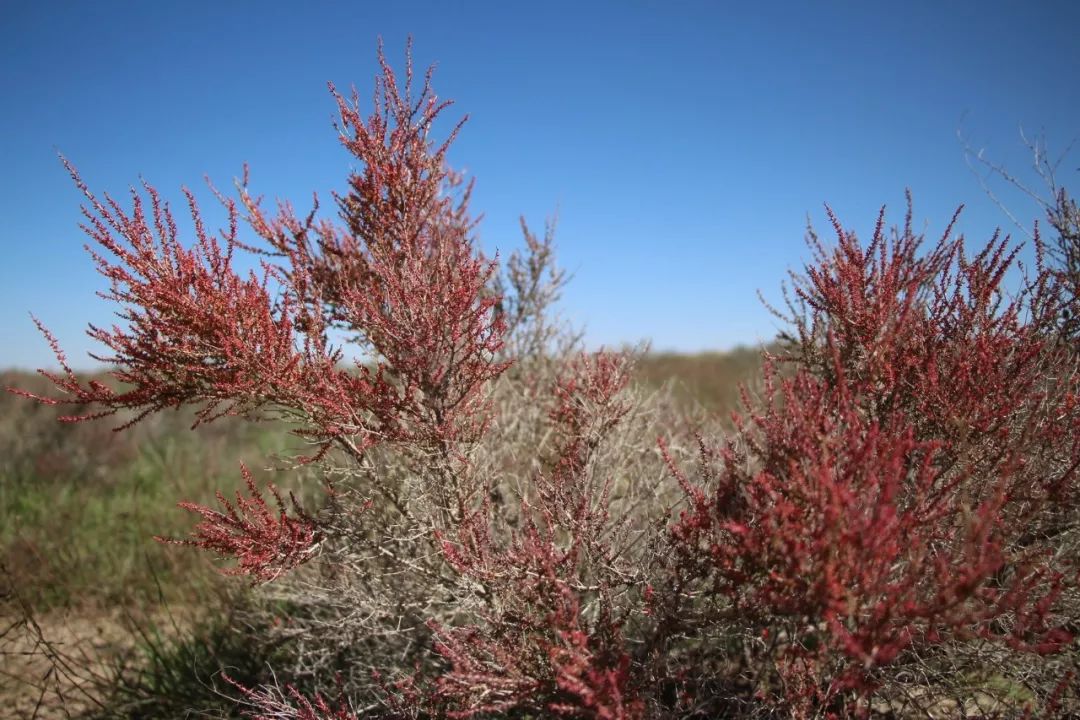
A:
[903,499]
[847,545]
[904,487]
[402,275]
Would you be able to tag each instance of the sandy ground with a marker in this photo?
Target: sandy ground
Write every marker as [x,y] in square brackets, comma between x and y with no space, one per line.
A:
[52,666]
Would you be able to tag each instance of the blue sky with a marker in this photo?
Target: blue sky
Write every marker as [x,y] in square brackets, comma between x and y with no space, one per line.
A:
[683,143]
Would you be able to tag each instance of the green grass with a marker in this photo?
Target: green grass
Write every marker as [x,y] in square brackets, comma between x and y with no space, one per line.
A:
[80,505]
[70,544]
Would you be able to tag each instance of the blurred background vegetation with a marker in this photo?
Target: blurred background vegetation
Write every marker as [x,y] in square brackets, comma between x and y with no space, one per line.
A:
[80,504]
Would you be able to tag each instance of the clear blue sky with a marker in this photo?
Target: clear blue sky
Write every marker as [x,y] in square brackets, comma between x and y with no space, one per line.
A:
[684,143]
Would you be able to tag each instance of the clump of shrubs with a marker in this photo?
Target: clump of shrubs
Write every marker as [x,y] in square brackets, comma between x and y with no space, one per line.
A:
[513,528]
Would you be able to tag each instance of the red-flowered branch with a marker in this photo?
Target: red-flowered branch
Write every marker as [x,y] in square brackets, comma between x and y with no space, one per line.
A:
[400,274]
[265,541]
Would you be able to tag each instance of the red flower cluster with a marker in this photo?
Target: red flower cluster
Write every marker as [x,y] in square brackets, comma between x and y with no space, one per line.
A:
[264,542]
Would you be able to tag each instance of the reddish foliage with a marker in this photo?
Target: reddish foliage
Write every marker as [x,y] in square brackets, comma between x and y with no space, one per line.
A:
[265,542]
[588,390]
[196,331]
[587,407]
[539,653]
[934,336]
[901,487]
[268,704]
[850,539]
[598,687]
[402,274]
[536,651]
[901,490]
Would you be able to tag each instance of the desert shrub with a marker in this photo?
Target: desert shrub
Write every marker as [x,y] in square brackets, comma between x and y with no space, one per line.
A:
[891,528]
[903,504]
